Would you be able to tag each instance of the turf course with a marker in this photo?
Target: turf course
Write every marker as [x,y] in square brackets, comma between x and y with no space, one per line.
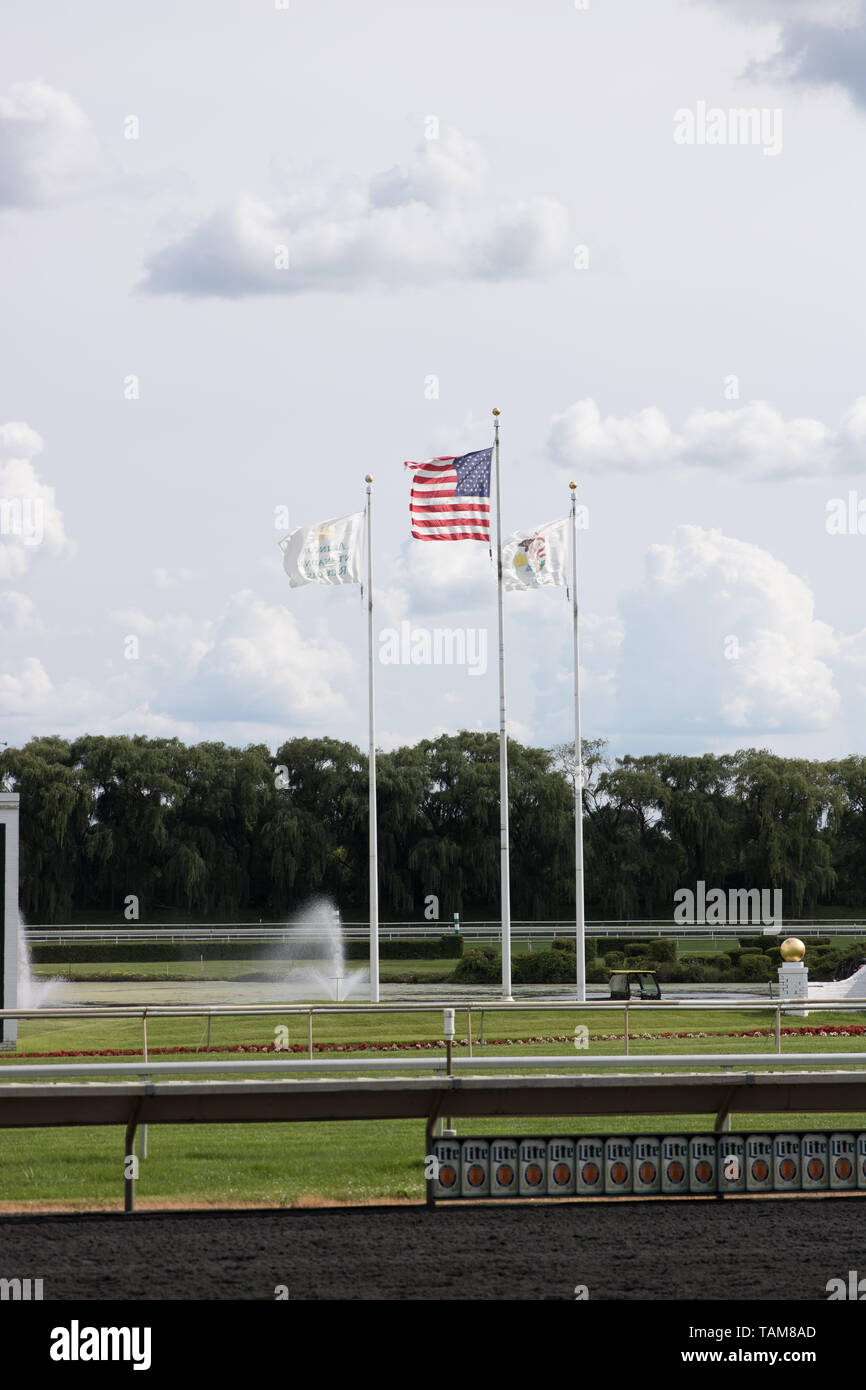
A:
[282,1165]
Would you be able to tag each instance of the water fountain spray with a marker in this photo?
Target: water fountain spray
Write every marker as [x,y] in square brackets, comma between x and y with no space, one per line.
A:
[317,965]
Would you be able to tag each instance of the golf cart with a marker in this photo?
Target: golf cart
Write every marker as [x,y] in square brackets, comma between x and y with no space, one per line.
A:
[624,983]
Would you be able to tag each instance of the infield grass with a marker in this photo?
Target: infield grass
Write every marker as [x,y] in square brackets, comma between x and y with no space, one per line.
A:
[361,1161]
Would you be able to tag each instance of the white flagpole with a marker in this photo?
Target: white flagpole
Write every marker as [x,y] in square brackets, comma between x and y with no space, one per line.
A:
[374,853]
[580,924]
[503,745]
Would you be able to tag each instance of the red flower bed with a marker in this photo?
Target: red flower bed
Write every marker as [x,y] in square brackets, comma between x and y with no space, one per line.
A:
[825,1030]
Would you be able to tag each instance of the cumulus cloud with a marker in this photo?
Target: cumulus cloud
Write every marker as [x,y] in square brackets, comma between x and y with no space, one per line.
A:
[31,697]
[30,521]
[436,220]
[18,438]
[722,636]
[258,665]
[18,614]
[171,579]
[48,149]
[819,55]
[250,667]
[820,43]
[438,577]
[29,692]
[754,440]
[250,664]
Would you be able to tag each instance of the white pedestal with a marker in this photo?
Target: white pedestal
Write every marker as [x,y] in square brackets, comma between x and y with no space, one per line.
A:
[794,984]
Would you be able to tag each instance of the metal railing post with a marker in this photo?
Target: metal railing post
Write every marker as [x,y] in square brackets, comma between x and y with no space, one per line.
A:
[144,1055]
[428,1154]
[129,1165]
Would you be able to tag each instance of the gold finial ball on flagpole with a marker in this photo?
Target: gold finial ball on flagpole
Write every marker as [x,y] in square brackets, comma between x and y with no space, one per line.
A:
[496,410]
[368,477]
[792,949]
[572,486]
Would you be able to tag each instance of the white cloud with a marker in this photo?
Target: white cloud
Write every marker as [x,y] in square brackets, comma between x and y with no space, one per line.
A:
[30,693]
[437,220]
[389,739]
[30,696]
[251,664]
[30,521]
[259,665]
[819,43]
[48,150]
[173,642]
[754,440]
[18,438]
[438,577]
[18,613]
[722,636]
[249,668]
[172,579]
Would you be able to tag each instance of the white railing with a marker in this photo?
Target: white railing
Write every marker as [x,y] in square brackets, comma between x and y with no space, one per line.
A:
[480,1007]
[258,933]
[657,1062]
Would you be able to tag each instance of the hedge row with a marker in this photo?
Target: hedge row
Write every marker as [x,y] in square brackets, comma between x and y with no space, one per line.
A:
[659,948]
[448,947]
[482,965]
[438,948]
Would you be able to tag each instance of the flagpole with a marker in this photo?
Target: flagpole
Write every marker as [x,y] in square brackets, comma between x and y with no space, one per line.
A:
[503,744]
[374,853]
[579,921]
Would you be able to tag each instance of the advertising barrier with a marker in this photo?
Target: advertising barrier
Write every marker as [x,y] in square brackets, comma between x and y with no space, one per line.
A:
[648,1165]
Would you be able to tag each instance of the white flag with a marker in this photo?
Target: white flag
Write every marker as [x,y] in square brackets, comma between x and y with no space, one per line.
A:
[330,553]
[533,559]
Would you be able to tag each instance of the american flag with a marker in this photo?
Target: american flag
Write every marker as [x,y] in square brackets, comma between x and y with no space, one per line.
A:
[450,498]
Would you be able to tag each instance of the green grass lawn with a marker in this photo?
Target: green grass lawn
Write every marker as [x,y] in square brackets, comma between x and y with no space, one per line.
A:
[408,971]
[282,1165]
[343,1024]
[361,1161]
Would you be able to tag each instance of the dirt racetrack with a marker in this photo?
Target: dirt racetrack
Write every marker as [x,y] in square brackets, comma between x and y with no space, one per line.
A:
[752,1250]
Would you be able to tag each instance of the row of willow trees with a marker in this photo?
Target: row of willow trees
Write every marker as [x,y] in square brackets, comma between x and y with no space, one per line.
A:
[211,831]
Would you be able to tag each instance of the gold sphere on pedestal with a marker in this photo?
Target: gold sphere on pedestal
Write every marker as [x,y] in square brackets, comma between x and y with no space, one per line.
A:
[792,949]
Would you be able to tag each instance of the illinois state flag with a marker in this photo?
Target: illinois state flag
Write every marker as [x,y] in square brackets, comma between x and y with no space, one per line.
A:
[330,553]
[534,559]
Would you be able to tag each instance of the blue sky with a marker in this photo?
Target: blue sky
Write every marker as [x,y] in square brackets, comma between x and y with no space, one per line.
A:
[489,196]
